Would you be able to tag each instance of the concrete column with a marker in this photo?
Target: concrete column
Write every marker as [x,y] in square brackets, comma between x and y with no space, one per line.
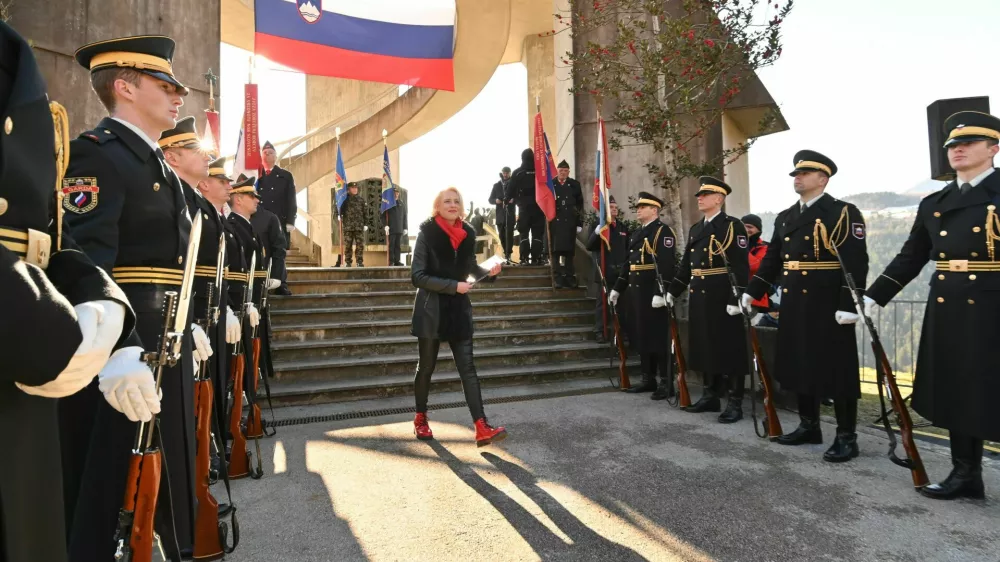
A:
[538,56]
[564,141]
[737,173]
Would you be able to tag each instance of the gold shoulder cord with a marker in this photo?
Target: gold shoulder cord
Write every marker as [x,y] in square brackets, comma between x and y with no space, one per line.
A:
[992,230]
[647,248]
[836,238]
[722,246]
[60,122]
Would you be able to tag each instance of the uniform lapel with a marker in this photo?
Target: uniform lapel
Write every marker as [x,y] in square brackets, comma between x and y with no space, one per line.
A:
[982,194]
[808,216]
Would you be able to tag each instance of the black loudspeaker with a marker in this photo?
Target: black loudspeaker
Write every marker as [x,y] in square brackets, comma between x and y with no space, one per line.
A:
[937,112]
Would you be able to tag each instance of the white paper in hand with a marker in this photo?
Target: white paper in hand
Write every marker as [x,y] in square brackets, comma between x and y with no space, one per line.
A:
[487,265]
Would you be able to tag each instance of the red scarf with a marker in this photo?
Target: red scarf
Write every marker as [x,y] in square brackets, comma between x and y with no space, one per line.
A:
[456,232]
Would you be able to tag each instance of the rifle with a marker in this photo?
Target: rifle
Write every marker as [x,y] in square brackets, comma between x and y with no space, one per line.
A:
[134,532]
[239,458]
[887,379]
[770,426]
[623,380]
[255,423]
[683,396]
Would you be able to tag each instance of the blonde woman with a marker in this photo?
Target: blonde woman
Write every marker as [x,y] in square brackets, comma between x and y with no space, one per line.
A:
[443,259]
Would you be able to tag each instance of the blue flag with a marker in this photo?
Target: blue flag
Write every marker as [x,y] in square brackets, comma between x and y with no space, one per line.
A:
[340,180]
[388,193]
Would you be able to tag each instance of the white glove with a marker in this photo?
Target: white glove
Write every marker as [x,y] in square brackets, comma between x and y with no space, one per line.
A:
[613,297]
[253,315]
[659,302]
[870,305]
[846,317]
[202,345]
[579,229]
[366,228]
[128,385]
[232,327]
[670,299]
[273,284]
[289,227]
[387,230]
[404,232]
[732,310]
[101,326]
[745,302]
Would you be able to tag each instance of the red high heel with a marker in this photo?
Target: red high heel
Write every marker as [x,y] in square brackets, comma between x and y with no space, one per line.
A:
[420,427]
[486,434]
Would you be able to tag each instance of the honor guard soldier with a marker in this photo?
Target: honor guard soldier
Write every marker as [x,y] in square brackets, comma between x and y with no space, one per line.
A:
[244,201]
[566,225]
[277,194]
[817,351]
[395,222]
[353,215]
[127,211]
[651,261]
[713,311]
[615,265]
[272,237]
[61,314]
[956,383]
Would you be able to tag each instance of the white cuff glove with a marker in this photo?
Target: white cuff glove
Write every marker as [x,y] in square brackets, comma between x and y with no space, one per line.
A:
[732,310]
[273,284]
[579,229]
[202,345]
[613,297]
[659,302]
[289,227]
[870,305]
[253,315]
[232,327]
[404,232]
[366,228]
[846,317]
[101,325]
[128,385]
[387,230]
[745,302]
[670,299]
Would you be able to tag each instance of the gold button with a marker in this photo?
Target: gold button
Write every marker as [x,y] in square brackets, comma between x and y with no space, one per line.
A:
[976,229]
[973,254]
[944,233]
[972,277]
[786,273]
[107,132]
[787,239]
[3,205]
[180,259]
[940,299]
[8,125]
[786,256]
[703,291]
[692,291]
[941,255]
[804,291]
[785,290]
[818,221]
[937,214]
[991,207]
[805,273]
[941,277]
[972,301]
[692,250]
[156,186]
[807,238]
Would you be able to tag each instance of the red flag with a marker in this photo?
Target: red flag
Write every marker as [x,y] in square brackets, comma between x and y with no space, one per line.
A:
[251,144]
[545,194]
[210,140]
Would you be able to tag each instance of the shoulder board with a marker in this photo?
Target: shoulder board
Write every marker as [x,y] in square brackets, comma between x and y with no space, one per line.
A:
[99,136]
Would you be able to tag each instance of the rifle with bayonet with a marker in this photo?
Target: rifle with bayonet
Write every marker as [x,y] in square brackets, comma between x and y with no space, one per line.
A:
[683,399]
[255,423]
[618,344]
[134,531]
[239,458]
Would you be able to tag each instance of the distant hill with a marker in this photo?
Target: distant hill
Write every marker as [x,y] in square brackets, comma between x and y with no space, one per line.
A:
[879,200]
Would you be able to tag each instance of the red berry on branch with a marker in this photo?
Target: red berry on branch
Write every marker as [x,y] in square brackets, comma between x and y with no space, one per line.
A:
[709,43]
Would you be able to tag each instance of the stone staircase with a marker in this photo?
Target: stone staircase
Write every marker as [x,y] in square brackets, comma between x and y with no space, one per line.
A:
[345,334]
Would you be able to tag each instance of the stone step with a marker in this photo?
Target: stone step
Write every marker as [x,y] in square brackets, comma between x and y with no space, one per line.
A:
[385,346]
[483,293]
[299,317]
[288,393]
[326,286]
[382,328]
[382,272]
[402,364]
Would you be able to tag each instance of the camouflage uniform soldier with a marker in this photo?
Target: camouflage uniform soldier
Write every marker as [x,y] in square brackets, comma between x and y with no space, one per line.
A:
[353,215]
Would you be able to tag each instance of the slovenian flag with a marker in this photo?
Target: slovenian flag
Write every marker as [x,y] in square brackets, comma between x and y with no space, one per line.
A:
[388,193]
[340,180]
[545,192]
[602,185]
[393,41]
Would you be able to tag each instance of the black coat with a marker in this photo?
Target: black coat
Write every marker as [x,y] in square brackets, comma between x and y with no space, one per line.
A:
[651,251]
[277,194]
[396,216]
[498,193]
[521,187]
[271,233]
[816,355]
[717,343]
[569,215]
[616,257]
[436,271]
[957,383]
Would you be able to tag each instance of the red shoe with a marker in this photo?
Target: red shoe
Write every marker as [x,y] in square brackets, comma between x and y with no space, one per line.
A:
[486,434]
[421,429]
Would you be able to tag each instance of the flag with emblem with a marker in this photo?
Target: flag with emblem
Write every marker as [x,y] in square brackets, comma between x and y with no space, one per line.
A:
[545,192]
[388,193]
[602,186]
[340,180]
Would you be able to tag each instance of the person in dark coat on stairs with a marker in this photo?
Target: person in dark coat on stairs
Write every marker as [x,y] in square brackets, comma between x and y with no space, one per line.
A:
[615,264]
[267,226]
[277,191]
[396,226]
[443,260]
[567,224]
[717,346]
[504,212]
[530,219]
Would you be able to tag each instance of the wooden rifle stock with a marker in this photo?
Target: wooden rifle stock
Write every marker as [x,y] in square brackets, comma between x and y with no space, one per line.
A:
[623,380]
[255,428]
[913,461]
[142,488]
[207,542]
[683,396]
[239,458]
[770,412]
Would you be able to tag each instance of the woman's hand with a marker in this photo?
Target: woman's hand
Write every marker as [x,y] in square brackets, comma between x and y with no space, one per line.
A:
[495,270]
[463,287]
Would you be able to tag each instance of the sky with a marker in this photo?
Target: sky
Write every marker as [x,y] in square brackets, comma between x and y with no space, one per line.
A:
[853,82]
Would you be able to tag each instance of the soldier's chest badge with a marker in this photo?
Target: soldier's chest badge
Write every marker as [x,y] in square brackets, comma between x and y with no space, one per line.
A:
[741,241]
[859,230]
[80,194]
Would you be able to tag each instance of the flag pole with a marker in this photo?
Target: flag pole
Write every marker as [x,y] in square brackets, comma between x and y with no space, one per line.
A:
[388,259]
[548,234]
[340,218]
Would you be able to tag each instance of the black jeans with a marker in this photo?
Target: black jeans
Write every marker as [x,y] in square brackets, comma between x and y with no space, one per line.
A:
[395,243]
[462,352]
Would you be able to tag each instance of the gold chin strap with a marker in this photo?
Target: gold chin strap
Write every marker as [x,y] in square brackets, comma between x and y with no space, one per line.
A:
[719,247]
[992,230]
[60,123]
[836,238]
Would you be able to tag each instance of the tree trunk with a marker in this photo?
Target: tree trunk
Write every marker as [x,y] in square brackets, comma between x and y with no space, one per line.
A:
[671,212]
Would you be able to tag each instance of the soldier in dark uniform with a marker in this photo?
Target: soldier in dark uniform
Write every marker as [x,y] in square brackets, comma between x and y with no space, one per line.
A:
[957,384]
[267,226]
[566,225]
[530,219]
[505,227]
[615,263]
[395,221]
[713,311]
[352,216]
[51,348]
[127,211]
[817,351]
[277,194]
[651,252]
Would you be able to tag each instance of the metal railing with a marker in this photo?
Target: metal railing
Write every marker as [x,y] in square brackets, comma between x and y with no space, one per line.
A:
[898,325]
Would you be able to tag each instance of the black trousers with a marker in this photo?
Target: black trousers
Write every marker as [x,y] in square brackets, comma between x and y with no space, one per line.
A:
[395,243]
[716,385]
[563,263]
[846,410]
[506,231]
[651,363]
[965,447]
[531,226]
[462,352]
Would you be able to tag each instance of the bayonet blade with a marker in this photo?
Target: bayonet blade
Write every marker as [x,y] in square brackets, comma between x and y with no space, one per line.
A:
[187,285]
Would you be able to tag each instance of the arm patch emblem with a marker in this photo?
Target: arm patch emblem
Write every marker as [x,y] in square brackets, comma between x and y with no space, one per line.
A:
[80,194]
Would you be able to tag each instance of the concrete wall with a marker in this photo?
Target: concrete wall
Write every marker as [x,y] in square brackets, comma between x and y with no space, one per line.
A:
[737,173]
[58,28]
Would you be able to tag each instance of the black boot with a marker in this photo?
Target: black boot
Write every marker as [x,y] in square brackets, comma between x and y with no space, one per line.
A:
[664,391]
[966,478]
[844,448]
[560,280]
[599,336]
[707,403]
[648,384]
[807,432]
[734,411]
[571,282]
